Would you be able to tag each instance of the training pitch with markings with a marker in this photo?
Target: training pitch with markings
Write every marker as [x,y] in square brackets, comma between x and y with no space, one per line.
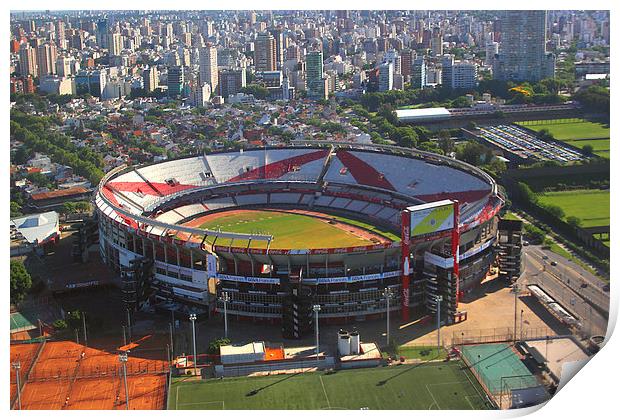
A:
[433,385]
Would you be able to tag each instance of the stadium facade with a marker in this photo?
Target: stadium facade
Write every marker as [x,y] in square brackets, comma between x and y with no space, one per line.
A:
[143,213]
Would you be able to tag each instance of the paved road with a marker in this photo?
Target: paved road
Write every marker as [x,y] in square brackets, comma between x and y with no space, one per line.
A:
[559,287]
[572,275]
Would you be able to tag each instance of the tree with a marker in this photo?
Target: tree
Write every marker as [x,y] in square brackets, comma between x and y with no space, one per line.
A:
[445,141]
[526,193]
[474,153]
[574,221]
[40,180]
[16,209]
[214,346]
[588,149]
[259,92]
[21,282]
[556,211]
[536,235]
[60,324]
[74,319]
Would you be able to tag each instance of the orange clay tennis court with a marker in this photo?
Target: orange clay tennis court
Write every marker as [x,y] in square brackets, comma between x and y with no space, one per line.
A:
[24,354]
[61,378]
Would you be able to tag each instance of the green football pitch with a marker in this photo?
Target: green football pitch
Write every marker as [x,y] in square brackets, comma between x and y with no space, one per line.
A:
[591,206]
[429,386]
[292,230]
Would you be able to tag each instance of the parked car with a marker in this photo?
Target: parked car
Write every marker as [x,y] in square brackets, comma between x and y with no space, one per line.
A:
[554,263]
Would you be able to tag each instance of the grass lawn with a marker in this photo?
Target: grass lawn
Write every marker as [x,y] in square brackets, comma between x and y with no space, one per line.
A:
[572,130]
[510,216]
[290,230]
[591,206]
[599,147]
[424,353]
[557,249]
[407,387]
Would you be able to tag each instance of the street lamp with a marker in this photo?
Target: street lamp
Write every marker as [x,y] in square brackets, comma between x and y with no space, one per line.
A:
[225,299]
[129,325]
[17,366]
[192,317]
[439,299]
[387,293]
[84,324]
[122,357]
[521,329]
[516,290]
[316,309]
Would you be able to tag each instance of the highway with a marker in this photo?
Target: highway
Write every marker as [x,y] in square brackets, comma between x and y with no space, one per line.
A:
[564,283]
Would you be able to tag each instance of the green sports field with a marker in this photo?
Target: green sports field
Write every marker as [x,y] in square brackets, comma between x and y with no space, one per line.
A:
[293,230]
[591,206]
[442,386]
[577,134]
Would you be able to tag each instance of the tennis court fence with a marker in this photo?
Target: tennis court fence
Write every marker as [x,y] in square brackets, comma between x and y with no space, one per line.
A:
[109,370]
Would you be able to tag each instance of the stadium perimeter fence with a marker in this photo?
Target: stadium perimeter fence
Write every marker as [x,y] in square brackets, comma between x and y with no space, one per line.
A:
[498,335]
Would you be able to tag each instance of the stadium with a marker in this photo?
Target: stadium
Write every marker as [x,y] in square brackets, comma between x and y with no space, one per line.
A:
[279,229]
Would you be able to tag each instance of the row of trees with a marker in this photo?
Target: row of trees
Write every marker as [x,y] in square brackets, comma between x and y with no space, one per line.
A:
[545,91]
[594,99]
[531,198]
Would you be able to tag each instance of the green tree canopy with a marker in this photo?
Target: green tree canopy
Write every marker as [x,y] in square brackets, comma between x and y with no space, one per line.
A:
[21,282]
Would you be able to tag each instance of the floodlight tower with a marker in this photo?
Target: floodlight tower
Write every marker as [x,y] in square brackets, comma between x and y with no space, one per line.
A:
[192,317]
[316,309]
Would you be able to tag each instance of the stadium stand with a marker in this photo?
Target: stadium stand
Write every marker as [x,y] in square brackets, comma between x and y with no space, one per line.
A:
[171,216]
[251,199]
[191,210]
[219,203]
[285,198]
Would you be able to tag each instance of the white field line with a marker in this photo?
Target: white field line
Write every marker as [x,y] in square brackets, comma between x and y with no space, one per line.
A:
[325,392]
[433,397]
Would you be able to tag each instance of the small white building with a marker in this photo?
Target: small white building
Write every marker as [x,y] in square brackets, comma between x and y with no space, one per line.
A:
[248,353]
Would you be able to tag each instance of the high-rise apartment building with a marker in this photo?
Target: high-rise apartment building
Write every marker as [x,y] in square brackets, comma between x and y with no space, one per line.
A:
[176,80]
[27,60]
[464,75]
[91,81]
[386,77]
[63,66]
[60,34]
[265,52]
[314,74]
[231,81]
[115,44]
[150,78]
[393,57]
[406,62]
[208,67]
[522,53]
[418,73]
[279,39]
[46,59]
[459,74]
[102,33]
[447,61]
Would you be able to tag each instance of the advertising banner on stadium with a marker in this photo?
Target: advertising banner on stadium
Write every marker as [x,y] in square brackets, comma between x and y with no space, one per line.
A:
[211,265]
[431,218]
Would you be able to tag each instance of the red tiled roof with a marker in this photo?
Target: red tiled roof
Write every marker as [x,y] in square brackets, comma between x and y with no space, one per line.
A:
[59,193]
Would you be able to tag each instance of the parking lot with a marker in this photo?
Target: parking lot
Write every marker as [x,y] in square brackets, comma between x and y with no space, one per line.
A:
[526,145]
